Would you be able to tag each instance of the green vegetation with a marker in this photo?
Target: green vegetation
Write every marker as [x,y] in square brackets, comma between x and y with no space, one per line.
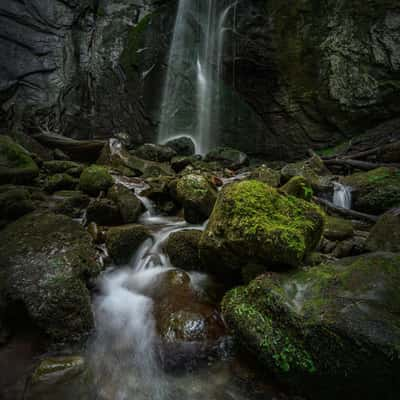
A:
[95,179]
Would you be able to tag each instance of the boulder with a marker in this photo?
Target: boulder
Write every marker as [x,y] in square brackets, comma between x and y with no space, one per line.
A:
[197,196]
[95,179]
[183,146]
[14,203]
[251,221]
[70,202]
[182,248]
[179,163]
[159,193]
[16,164]
[330,331]
[104,212]
[123,241]
[375,191]
[59,182]
[155,152]
[385,235]
[337,228]
[46,260]
[228,157]
[298,186]
[266,175]
[63,166]
[130,207]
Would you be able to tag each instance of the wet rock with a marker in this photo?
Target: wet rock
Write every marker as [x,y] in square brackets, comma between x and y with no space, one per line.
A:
[251,221]
[183,146]
[159,192]
[329,331]
[123,241]
[375,191]
[179,163]
[155,152]
[385,235]
[95,179]
[130,207]
[298,186]
[70,202]
[59,182]
[266,175]
[46,260]
[337,228]
[63,166]
[104,212]
[197,197]
[16,164]
[228,157]
[183,250]
[14,203]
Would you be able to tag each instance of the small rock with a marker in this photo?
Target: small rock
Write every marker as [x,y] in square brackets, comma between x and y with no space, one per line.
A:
[95,179]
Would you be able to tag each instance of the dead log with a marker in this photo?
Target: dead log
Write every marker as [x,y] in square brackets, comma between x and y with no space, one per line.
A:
[80,150]
[344,212]
[363,165]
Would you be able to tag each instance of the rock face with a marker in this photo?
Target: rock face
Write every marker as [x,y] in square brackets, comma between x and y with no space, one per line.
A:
[333,73]
[45,261]
[330,330]
[251,221]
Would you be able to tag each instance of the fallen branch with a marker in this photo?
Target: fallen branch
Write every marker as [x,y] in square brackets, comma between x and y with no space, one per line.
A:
[363,165]
[83,150]
[344,211]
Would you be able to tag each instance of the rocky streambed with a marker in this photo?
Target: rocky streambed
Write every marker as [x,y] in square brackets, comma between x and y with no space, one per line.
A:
[156,273]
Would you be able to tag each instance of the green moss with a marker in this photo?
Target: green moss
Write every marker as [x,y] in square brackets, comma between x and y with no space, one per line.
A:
[299,187]
[95,179]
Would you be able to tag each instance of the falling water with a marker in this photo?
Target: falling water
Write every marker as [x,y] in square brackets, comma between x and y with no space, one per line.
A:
[342,195]
[192,92]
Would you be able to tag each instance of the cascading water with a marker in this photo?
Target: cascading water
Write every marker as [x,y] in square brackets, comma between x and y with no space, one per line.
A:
[342,195]
[192,92]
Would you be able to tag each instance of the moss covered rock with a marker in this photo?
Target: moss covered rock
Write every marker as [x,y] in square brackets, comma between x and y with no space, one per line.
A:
[14,203]
[63,166]
[251,221]
[123,241]
[70,202]
[375,191]
[183,146]
[266,175]
[59,182]
[338,228]
[298,186]
[47,259]
[16,164]
[104,212]
[197,196]
[385,235]
[155,152]
[183,249]
[95,179]
[130,207]
[330,331]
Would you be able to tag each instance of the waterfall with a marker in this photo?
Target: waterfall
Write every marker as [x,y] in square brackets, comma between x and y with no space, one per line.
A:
[192,91]
[342,195]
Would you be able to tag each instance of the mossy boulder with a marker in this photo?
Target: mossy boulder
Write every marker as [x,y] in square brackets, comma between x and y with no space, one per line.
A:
[95,179]
[69,202]
[63,166]
[253,222]
[159,193]
[59,182]
[197,196]
[179,163]
[123,241]
[298,186]
[130,207]
[266,175]
[104,212]
[155,152]
[228,157]
[331,331]
[16,164]
[183,249]
[46,260]
[375,191]
[385,235]
[338,228]
[14,203]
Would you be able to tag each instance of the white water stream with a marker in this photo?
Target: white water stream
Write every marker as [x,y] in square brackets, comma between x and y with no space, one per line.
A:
[342,195]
